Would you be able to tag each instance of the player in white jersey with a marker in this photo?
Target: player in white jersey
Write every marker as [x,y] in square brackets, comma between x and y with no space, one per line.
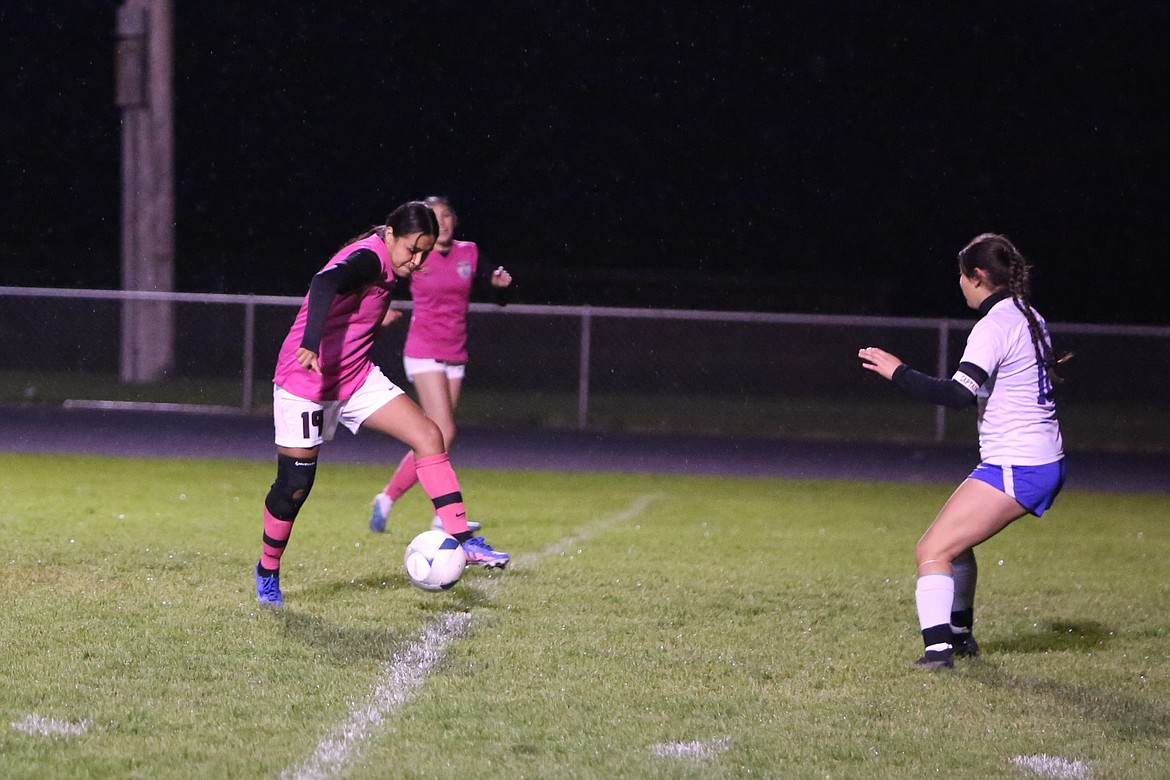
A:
[1007,370]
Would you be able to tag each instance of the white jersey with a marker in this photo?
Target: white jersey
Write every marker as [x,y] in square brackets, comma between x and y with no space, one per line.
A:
[1017,416]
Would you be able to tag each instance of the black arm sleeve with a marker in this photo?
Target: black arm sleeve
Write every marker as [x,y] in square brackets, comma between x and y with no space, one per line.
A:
[352,273]
[943,392]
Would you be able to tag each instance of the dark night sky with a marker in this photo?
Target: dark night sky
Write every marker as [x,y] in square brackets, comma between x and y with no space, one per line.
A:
[824,157]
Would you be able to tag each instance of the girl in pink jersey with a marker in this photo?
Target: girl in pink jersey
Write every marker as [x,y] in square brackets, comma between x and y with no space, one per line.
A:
[1007,372]
[324,376]
[435,353]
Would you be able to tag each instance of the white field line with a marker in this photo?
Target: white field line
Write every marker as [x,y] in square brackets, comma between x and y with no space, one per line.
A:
[634,510]
[692,751]
[1045,765]
[403,675]
[406,672]
[50,727]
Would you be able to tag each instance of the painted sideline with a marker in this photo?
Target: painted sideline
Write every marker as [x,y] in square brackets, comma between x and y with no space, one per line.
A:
[405,673]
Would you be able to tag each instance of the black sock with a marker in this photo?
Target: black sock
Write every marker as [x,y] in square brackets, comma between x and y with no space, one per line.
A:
[963,619]
[937,635]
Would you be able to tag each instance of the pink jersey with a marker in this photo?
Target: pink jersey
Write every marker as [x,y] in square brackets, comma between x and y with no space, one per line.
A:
[349,333]
[441,290]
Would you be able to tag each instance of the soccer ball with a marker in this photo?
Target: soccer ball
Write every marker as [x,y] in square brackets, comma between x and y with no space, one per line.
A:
[434,560]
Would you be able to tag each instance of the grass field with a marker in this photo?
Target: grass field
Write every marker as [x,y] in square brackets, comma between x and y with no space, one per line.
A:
[648,627]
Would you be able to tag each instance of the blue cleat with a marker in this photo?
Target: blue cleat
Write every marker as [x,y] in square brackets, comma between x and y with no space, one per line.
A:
[268,590]
[437,524]
[382,505]
[480,553]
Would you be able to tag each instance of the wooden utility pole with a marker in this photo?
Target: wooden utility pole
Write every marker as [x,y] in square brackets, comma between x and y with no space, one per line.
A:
[144,57]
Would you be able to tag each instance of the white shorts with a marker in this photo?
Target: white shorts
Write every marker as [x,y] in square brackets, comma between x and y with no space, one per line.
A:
[304,423]
[414,366]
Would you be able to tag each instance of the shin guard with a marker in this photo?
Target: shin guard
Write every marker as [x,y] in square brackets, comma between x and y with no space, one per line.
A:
[440,483]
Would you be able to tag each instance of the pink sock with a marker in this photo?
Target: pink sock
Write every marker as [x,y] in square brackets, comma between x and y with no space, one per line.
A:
[440,483]
[276,533]
[404,477]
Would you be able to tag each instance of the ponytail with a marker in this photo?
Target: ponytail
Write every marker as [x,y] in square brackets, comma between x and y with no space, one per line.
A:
[1006,267]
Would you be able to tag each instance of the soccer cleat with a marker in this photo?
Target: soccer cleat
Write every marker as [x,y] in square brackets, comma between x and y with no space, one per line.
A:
[268,590]
[965,645]
[437,524]
[480,553]
[382,504]
[936,659]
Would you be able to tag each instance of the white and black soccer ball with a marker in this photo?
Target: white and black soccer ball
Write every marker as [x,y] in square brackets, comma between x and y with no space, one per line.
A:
[434,560]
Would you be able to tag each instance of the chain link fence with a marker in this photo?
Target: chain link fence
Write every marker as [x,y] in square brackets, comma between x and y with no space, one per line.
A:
[725,373]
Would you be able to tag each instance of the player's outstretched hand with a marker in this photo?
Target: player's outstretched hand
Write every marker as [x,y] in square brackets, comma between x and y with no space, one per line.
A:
[879,361]
[501,278]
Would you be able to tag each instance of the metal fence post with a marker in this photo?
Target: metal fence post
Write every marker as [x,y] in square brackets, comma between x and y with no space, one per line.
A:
[940,412]
[583,375]
[249,351]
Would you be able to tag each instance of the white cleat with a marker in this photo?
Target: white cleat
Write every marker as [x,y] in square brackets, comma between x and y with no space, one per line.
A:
[437,524]
[382,504]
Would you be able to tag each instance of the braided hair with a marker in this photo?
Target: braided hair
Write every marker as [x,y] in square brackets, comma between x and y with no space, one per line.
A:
[1006,268]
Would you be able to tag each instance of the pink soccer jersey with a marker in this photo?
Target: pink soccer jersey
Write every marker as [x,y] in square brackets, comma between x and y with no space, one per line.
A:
[441,290]
[349,333]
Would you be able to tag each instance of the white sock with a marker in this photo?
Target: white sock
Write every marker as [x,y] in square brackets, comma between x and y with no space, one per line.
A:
[934,595]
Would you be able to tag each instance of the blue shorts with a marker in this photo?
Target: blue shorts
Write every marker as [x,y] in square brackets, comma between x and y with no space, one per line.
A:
[1034,487]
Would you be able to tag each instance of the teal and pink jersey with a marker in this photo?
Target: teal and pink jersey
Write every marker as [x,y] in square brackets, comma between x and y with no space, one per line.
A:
[441,290]
[350,325]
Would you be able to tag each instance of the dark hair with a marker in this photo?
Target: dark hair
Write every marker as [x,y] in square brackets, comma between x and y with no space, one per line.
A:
[1006,268]
[435,200]
[414,216]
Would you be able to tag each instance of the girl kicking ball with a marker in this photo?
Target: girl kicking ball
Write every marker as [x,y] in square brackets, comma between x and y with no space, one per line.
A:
[324,376]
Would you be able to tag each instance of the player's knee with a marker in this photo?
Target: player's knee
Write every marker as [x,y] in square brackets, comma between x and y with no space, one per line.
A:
[294,482]
[926,552]
[427,439]
[930,558]
[448,431]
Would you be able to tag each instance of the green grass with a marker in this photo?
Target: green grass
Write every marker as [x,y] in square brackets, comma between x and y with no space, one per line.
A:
[770,619]
[53,388]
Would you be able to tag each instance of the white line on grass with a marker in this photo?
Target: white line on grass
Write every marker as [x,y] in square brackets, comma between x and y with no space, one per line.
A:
[403,675]
[406,672]
[1052,766]
[50,727]
[635,509]
[693,751]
